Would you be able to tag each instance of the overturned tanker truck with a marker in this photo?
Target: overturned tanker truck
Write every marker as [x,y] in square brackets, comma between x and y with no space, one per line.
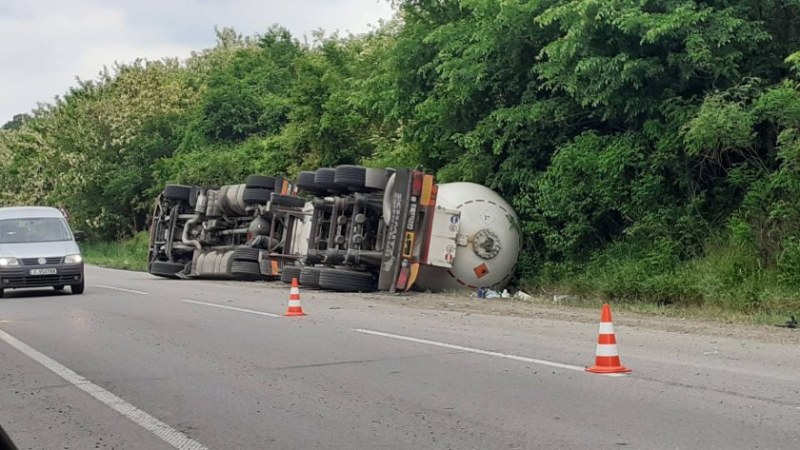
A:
[348,228]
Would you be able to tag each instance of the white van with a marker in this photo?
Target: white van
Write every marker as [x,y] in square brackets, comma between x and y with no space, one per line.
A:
[38,249]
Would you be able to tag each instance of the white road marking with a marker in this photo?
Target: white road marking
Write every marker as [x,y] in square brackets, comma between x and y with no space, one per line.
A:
[133,291]
[165,432]
[472,350]
[233,308]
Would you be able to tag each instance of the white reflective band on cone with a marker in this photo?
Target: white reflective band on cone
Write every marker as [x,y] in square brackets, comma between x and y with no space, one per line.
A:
[606,328]
[607,350]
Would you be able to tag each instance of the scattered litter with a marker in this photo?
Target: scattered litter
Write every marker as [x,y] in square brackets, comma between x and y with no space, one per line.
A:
[791,323]
[522,295]
[492,294]
[714,352]
[560,298]
[483,292]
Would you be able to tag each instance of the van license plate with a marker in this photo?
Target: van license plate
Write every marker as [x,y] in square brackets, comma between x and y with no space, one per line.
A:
[50,271]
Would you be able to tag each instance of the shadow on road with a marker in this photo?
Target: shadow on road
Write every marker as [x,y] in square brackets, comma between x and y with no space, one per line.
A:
[36,292]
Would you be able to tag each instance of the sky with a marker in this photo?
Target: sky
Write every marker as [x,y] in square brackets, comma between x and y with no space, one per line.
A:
[46,44]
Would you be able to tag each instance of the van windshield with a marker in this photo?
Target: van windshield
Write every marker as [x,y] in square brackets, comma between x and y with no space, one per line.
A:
[45,229]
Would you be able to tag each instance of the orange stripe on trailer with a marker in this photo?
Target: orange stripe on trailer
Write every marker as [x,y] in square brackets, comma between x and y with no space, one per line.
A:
[285,187]
[402,278]
[275,268]
[412,278]
[416,183]
[427,188]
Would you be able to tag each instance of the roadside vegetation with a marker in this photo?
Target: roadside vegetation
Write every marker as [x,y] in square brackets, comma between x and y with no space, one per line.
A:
[651,149]
[128,254]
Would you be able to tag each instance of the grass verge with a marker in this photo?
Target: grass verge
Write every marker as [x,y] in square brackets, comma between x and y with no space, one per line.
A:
[726,284]
[129,254]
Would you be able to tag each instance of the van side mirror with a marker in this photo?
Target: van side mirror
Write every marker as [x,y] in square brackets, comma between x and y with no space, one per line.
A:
[80,236]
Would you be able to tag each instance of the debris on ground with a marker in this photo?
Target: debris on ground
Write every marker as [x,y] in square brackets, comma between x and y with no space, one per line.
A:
[791,323]
[491,294]
[561,298]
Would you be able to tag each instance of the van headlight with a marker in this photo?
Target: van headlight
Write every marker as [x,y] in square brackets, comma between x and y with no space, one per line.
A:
[6,261]
[73,259]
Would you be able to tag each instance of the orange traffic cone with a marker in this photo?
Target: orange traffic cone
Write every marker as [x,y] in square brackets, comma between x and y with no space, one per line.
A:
[294,308]
[607,355]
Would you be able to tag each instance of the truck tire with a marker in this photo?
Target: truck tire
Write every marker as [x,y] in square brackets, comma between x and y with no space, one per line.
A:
[305,182]
[325,178]
[224,263]
[289,201]
[246,254]
[165,269]
[246,269]
[177,192]
[290,272]
[309,276]
[349,176]
[260,182]
[255,196]
[345,280]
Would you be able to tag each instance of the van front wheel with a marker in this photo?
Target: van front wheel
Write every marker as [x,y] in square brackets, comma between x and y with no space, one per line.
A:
[77,288]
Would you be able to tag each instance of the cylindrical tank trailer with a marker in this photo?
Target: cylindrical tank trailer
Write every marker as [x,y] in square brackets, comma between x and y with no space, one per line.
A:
[350,228]
[489,245]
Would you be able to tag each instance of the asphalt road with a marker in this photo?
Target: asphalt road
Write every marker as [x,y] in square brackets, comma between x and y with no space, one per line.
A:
[143,363]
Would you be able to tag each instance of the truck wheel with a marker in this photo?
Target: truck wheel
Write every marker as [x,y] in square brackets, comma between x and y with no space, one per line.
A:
[289,201]
[165,269]
[177,192]
[231,200]
[325,178]
[346,280]
[246,254]
[246,269]
[309,276]
[255,196]
[349,176]
[260,182]
[290,272]
[305,182]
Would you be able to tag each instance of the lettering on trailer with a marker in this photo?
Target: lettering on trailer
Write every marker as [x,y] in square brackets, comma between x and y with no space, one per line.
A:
[394,228]
[412,214]
[408,245]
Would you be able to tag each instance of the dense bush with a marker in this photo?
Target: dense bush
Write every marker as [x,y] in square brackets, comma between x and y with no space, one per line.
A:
[652,149]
